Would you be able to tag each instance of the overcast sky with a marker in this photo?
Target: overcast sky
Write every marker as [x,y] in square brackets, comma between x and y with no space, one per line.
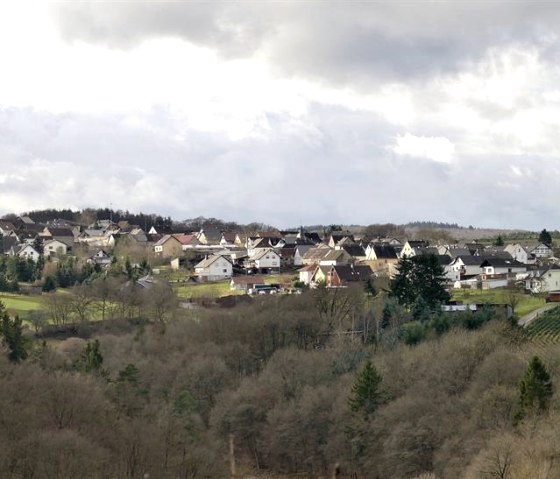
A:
[284,112]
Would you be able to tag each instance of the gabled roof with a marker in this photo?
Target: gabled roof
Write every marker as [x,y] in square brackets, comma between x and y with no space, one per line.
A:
[165,239]
[7,225]
[470,260]
[263,253]
[333,255]
[185,239]
[352,272]
[444,259]
[316,253]
[303,248]
[64,232]
[384,251]
[310,268]
[456,252]
[502,263]
[417,243]
[205,263]
[354,250]
[260,243]
[229,236]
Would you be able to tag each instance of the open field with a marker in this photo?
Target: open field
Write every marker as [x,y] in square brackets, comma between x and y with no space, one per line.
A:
[526,302]
[222,288]
[20,304]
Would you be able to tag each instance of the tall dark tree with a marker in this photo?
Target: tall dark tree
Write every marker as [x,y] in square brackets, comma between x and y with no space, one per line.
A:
[91,358]
[545,237]
[420,277]
[535,389]
[401,286]
[428,279]
[499,241]
[12,331]
[366,395]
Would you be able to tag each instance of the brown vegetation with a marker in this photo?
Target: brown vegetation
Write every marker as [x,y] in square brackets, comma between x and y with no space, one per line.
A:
[277,375]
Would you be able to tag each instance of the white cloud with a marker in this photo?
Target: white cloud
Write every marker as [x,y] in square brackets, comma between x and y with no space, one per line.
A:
[438,149]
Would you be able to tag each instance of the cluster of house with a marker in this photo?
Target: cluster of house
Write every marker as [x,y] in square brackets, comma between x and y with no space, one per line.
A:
[27,239]
[337,259]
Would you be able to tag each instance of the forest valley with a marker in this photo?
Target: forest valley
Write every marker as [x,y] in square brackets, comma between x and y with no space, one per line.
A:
[357,382]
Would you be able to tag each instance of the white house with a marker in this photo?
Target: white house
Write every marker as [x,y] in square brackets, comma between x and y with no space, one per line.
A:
[306,273]
[299,253]
[491,266]
[466,265]
[101,258]
[336,257]
[54,248]
[28,252]
[520,253]
[267,259]
[544,280]
[214,268]
[542,251]
[410,247]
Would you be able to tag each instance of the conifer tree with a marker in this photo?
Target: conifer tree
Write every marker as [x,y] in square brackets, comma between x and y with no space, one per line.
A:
[366,395]
[545,237]
[12,332]
[91,358]
[535,389]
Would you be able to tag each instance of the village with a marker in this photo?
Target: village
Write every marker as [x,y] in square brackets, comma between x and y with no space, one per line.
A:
[337,259]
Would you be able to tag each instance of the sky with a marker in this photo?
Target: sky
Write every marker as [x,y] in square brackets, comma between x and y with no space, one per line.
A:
[284,112]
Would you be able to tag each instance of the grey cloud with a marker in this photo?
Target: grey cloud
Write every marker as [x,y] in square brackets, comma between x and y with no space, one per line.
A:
[344,175]
[343,42]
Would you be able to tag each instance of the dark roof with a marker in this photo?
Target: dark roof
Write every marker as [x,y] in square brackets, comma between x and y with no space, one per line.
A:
[470,260]
[418,243]
[313,237]
[353,272]
[502,263]
[384,251]
[444,259]
[354,250]
[60,232]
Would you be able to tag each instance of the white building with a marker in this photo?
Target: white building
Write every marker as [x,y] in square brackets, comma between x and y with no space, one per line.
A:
[214,268]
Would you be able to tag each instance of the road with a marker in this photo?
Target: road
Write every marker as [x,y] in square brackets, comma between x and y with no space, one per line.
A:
[525,320]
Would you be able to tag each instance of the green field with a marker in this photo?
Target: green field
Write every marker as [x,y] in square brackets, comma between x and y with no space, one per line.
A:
[526,302]
[204,290]
[20,304]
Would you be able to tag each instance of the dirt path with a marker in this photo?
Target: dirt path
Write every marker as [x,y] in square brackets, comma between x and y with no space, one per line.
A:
[525,320]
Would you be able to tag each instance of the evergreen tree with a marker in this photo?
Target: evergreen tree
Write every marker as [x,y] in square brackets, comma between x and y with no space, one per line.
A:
[428,279]
[91,358]
[12,331]
[535,389]
[401,286]
[499,241]
[366,395]
[49,284]
[545,237]
[419,277]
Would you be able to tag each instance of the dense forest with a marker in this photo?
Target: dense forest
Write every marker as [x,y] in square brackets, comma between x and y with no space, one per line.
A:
[300,383]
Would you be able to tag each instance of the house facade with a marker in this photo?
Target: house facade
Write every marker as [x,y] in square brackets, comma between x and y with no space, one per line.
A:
[168,247]
[214,268]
